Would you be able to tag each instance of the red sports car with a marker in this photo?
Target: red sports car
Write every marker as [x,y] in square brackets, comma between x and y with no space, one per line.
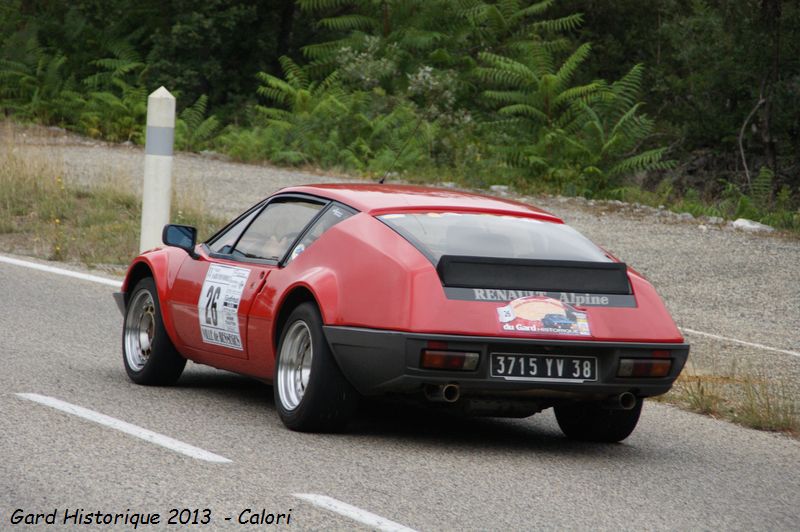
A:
[337,292]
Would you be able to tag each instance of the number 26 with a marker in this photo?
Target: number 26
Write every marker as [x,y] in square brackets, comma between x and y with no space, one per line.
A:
[211,305]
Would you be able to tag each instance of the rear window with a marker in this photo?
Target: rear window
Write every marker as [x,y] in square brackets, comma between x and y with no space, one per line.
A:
[488,235]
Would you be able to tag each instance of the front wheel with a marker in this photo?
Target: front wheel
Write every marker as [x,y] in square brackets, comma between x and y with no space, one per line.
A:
[147,351]
[311,394]
[590,421]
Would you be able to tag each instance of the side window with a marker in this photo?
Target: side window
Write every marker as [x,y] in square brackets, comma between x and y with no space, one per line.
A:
[276,228]
[335,214]
[224,243]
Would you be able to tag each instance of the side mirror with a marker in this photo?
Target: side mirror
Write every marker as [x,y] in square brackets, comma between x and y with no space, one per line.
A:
[180,236]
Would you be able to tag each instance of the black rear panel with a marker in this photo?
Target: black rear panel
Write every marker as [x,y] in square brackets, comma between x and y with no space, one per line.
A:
[529,274]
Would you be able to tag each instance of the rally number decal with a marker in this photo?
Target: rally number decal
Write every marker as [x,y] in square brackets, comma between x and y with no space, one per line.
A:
[218,306]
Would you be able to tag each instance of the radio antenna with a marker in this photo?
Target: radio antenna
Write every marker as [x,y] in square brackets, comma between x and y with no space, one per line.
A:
[399,153]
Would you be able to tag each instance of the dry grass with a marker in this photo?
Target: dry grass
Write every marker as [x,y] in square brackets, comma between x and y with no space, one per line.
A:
[41,215]
[742,396]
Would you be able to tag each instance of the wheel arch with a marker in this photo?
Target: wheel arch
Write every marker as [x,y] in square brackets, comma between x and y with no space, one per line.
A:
[137,272]
[295,297]
[158,266]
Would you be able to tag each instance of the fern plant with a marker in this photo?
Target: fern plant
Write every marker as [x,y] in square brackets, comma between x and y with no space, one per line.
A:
[320,122]
[608,144]
[34,86]
[122,63]
[537,99]
[117,104]
[761,189]
[584,138]
[193,130]
[507,26]
[118,114]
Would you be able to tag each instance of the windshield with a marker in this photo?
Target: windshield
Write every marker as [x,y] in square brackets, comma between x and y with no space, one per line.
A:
[488,235]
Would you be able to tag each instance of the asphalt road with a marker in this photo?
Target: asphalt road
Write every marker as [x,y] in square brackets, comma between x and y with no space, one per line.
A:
[60,337]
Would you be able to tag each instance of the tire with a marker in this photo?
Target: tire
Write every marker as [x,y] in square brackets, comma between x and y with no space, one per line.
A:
[311,394]
[149,356]
[589,421]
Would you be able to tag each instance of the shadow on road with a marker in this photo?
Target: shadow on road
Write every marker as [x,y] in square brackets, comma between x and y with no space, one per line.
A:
[405,424]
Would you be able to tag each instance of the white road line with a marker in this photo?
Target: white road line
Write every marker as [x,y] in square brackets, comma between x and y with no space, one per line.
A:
[127,428]
[60,271]
[373,521]
[742,342]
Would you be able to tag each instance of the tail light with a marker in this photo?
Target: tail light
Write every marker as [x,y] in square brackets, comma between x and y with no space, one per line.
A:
[644,367]
[450,360]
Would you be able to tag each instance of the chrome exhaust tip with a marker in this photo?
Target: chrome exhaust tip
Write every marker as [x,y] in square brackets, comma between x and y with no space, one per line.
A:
[626,401]
[446,393]
[451,393]
[623,401]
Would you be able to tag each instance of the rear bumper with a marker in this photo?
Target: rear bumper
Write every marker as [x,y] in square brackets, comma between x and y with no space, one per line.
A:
[378,362]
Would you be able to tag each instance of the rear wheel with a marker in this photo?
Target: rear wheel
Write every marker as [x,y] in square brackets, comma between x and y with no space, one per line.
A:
[148,353]
[311,394]
[590,421]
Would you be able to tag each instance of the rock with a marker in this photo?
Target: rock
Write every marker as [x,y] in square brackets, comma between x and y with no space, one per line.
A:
[702,227]
[447,184]
[686,216]
[743,224]
[715,220]
[499,189]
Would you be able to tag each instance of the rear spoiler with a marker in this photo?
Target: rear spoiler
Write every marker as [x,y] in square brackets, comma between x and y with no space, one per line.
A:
[529,274]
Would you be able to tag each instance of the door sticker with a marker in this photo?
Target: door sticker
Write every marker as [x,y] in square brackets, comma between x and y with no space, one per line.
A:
[540,314]
[218,306]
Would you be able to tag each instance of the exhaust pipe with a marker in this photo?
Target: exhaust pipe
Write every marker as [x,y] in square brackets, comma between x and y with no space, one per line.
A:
[447,393]
[623,401]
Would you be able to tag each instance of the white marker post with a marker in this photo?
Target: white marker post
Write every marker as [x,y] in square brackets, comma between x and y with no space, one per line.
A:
[157,193]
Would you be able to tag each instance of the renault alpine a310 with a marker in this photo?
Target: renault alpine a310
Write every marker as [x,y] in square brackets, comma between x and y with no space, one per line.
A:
[337,293]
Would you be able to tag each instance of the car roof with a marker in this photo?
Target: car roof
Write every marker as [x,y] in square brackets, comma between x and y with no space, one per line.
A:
[379,199]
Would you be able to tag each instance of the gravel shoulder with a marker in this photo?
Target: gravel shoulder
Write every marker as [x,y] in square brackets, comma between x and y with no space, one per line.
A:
[714,279]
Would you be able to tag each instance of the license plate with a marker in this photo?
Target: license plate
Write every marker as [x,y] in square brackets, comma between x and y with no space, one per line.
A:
[543,368]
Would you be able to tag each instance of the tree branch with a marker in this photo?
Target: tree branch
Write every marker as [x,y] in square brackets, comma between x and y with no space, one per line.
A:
[759,103]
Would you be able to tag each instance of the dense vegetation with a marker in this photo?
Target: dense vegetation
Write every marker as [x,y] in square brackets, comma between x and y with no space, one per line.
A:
[693,103]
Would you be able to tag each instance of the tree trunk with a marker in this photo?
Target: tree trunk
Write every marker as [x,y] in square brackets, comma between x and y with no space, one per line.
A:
[771,16]
[387,28]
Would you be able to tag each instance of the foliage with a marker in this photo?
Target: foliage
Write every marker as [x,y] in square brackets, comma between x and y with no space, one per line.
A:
[589,134]
[321,123]
[35,86]
[570,96]
[193,130]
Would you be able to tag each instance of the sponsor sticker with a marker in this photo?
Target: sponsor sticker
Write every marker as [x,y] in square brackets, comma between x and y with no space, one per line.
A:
[218,306]
[541,314]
